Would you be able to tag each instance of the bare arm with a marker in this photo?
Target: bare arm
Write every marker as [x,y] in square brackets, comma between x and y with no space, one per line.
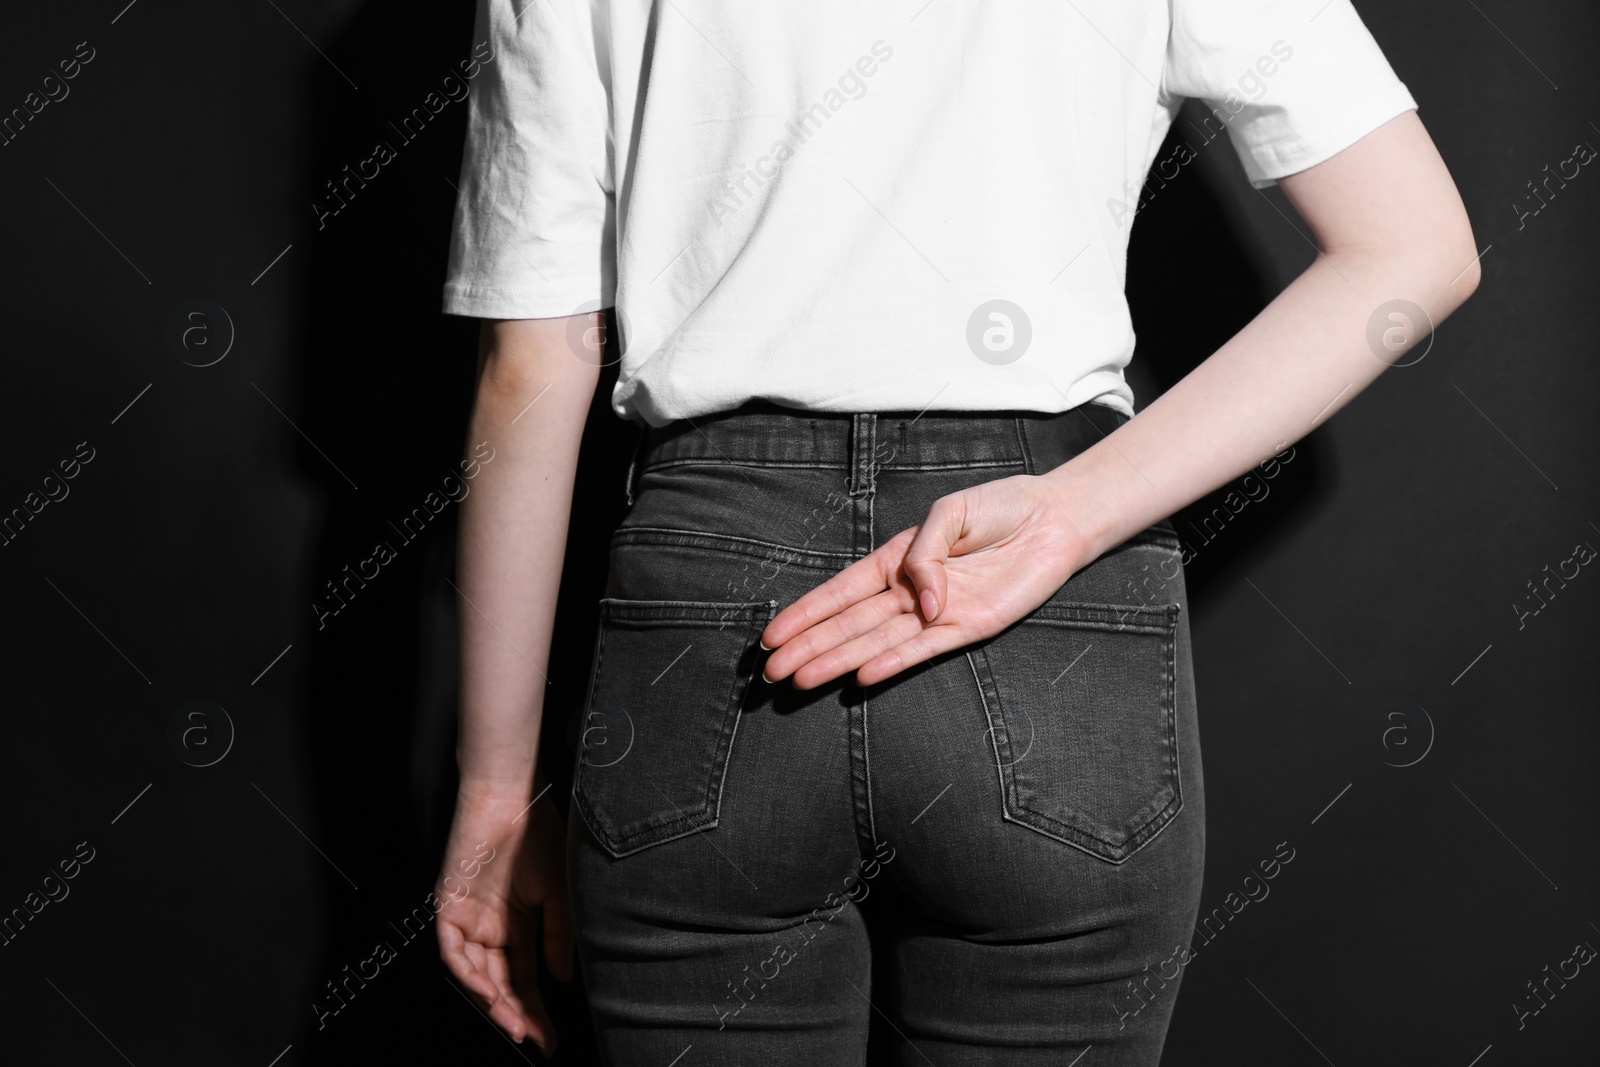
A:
[504,875]
[513,535]
[1390,225]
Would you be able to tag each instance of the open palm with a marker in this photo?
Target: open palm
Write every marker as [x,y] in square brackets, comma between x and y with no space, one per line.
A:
[983,559]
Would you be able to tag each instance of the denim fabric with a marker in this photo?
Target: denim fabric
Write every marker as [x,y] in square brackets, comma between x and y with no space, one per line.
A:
[995,854]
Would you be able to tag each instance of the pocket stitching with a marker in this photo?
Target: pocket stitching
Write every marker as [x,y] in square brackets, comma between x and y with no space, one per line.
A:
[654,613]
[1012,808]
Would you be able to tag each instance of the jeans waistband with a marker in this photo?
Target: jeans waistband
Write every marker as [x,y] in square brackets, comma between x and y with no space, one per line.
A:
[764,434]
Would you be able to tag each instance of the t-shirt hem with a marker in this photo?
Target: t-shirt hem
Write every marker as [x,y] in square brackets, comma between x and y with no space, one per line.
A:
[629,401]
[1265,164]
[473,301]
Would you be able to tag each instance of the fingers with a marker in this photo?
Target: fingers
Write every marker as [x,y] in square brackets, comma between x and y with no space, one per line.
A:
[484,974]
[852,654]
[931,641]
[856,621]
[501,1006]
[864,578]
[540,1028]
[453,949]
[529,1015]
[500,972]
[925,559]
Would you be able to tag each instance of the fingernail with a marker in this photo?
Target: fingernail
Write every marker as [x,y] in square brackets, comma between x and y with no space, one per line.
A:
[764,648]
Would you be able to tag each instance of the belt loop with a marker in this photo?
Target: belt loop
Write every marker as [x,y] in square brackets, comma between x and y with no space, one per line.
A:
[863,454]
[1029,466]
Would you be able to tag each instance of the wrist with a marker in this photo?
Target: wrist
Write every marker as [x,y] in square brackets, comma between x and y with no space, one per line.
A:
[498,792]
[1093,496]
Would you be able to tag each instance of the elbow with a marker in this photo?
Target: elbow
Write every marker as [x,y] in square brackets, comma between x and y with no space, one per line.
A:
[1437,263]
[1387,206]
[510,377]
[1438,252]
[1460,261]
[521,358]
[1466,261]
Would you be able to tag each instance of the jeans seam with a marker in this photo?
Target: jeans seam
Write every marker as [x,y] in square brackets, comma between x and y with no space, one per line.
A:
[1028,465]
[708,461]
[715,542]
[866,767]
[994,740]
[863,488]
[872,539]
[872,512]
[697,461]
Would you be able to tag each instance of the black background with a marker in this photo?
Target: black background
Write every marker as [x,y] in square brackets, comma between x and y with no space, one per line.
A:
[182,565]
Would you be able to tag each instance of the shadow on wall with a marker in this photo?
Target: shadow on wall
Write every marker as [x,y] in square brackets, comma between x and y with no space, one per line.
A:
[1192,284]
[386,386]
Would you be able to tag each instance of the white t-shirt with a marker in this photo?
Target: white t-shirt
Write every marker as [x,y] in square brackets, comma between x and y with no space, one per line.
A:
[847,206]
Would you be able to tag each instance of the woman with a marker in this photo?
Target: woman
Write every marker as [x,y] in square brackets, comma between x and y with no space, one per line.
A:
[892,704]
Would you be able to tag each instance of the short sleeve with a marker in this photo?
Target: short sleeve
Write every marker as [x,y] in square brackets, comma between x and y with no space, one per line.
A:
[532,232]
[1294,82]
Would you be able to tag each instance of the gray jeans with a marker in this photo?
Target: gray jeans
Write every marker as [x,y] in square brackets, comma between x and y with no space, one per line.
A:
[996,854]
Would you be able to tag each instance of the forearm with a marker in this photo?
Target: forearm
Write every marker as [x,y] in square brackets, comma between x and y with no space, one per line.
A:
[532,400]
[1301,359]
[1392,228]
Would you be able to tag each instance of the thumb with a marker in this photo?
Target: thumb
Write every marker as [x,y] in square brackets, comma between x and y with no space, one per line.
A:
[930,548]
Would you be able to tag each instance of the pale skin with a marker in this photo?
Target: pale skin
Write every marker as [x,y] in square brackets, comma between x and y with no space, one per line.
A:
[1389,224]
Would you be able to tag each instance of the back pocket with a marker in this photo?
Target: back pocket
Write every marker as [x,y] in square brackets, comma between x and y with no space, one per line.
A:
[1082,708]
[665,691]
